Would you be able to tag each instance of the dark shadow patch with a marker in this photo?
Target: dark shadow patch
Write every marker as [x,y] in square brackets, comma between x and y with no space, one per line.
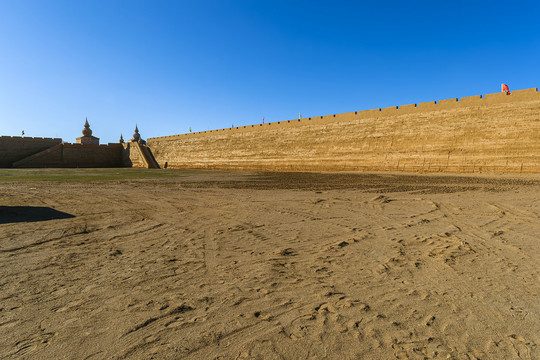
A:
[287,252]
[367,182]
[13,214]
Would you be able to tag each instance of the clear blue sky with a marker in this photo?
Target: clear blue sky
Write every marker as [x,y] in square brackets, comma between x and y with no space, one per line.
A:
[172,65]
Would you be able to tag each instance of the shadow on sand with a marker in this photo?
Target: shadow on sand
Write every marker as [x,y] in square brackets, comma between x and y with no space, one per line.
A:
[13,214]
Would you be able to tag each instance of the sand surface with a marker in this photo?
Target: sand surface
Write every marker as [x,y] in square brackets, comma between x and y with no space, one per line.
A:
[225,265]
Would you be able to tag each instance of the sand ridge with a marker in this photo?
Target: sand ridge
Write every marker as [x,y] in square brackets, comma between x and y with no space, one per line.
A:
[273,266]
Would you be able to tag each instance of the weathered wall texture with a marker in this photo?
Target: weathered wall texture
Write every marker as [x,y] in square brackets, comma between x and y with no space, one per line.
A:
[15,148]
[75,155]
[148,157]
[495,133]
[138,156]
[131,156]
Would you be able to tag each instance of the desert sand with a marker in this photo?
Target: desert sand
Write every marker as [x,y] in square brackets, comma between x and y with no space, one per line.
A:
[245,265]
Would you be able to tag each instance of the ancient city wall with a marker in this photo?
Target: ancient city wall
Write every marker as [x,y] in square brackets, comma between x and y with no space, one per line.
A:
[15,148]
[492,133]
[75,155]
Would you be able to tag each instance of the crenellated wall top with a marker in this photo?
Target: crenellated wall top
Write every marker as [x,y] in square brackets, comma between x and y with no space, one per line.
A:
[469,101]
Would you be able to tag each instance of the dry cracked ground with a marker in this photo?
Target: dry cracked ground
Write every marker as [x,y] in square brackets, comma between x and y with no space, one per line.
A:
[244,265]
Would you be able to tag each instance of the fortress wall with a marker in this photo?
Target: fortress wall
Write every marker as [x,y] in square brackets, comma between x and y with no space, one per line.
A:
[15,148]
[79,155]
[75,155]
[495,133]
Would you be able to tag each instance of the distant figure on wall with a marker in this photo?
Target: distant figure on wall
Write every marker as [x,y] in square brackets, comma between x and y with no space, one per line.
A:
[505,89]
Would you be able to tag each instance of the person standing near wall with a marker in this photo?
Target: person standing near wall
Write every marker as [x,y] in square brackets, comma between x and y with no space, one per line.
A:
[505,89]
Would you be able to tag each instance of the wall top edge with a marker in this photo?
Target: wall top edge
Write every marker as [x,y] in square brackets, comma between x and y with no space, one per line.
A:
[91,145]
[431,105]
[29,138]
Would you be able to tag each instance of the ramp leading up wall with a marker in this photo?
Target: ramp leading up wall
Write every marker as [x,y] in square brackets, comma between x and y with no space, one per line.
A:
[75,156]
[15,148]
[138,156]
[494,133]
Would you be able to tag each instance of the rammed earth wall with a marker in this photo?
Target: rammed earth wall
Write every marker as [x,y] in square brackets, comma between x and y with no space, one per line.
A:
[497,133]
[75,156]
[15,148]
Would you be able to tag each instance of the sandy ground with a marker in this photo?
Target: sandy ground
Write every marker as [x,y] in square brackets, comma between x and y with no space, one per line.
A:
[223,265]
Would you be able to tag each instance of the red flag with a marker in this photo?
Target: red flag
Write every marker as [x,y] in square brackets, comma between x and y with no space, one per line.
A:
[263,119]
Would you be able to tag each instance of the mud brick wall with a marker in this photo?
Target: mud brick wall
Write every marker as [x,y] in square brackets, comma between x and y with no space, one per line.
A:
[131,156]
[15,148]
[74,156]
[495,133]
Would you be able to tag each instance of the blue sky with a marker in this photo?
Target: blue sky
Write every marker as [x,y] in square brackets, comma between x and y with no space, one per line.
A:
[209,64]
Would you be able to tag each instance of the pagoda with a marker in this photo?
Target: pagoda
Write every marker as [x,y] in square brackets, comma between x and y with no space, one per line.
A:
[137,137]
[87,137]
